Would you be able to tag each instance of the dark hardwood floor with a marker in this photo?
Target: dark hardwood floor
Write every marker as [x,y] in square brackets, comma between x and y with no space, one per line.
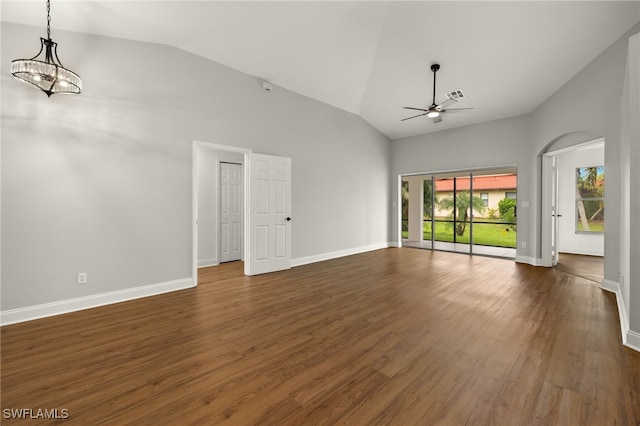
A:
[395,336]
[589,267]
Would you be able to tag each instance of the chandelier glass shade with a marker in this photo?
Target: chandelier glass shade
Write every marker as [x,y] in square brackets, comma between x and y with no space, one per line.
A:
[46,72]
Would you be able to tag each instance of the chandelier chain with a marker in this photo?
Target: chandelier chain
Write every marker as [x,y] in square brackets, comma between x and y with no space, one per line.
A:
[48,19]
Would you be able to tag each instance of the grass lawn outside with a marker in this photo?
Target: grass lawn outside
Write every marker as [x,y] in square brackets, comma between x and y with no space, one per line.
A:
[594,226]
[489,234]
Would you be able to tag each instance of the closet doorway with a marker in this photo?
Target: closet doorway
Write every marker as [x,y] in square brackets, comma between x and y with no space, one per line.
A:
[230,212]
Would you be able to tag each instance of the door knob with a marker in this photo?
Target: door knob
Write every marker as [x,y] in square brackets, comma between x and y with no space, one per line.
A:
[288,219]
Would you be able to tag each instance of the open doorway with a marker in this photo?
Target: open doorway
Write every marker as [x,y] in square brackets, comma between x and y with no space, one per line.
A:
[266,220]
[574,209]
[219,210]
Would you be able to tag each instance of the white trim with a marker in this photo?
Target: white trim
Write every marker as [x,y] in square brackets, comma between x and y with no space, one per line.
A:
[336,254]
[546,223]
[630,338]
[614,287]
[596,143]
[633,340]
[399,212]
[204,263]
[609,285]
[29,313]
[581,252]
[533,261]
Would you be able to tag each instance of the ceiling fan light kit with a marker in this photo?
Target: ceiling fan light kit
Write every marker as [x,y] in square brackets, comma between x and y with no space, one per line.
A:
[47,74]
[435,110]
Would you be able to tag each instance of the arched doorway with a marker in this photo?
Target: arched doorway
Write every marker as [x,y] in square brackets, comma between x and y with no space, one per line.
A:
[562,208]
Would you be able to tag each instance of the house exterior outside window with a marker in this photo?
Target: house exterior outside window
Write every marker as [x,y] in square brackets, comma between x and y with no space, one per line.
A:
[484,196]
[496,187]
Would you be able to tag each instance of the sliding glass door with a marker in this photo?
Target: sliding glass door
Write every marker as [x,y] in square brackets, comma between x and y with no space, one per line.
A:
[494,222]
[451,213]
[470,212]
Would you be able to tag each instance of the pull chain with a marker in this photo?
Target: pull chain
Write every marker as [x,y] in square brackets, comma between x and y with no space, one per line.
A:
[49,19]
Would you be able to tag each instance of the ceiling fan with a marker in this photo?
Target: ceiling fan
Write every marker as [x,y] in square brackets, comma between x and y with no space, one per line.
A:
[435,110]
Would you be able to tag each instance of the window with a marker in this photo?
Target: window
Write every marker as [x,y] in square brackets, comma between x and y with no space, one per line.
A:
[590,199]
[484,196]
[511,195]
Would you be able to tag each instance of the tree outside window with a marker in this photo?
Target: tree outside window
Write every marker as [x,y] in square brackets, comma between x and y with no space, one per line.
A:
[590,199]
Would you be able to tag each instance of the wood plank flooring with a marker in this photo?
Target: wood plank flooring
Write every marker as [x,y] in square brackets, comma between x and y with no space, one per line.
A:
[396,336]
[589,267]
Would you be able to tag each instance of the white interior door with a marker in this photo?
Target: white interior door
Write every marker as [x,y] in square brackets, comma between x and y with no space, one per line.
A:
[554,211]
[269,214]
[230,212]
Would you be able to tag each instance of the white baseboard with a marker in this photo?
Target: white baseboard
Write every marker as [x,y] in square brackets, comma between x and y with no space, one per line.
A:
[633,340]
[582,252]
[335,254]
[208,262]
[29,313]
[609,285]
[533,261]
[630,338]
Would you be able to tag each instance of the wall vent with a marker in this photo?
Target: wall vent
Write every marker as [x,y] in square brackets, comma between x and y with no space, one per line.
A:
[455,94]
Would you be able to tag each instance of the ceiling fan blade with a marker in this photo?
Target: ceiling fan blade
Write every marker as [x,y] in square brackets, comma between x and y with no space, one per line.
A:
[437,119]
[417,109]
[455,109]
[444,104]
[409,118]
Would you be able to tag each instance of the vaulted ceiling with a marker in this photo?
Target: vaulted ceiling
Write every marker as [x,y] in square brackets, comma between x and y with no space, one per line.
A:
[371,58]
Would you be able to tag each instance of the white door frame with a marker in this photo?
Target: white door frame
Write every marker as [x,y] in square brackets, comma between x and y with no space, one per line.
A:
[245,196]
[548,224]
[399,209]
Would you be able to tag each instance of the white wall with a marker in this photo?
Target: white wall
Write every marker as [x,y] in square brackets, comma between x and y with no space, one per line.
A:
[102,182]
[630,168]
[569,241]
[496,143]
[208,202]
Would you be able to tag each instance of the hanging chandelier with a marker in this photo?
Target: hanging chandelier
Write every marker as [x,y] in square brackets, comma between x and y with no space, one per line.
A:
[48,75]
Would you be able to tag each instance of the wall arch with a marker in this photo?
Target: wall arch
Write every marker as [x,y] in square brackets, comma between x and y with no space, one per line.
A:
[568,140]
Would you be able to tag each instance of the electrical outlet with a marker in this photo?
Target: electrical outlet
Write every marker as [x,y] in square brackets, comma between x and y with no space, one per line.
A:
[82,278]
[523,244]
